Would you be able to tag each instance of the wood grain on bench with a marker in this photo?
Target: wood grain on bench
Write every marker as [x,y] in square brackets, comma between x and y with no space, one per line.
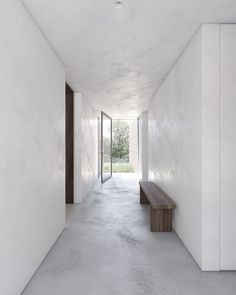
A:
[156,196]
[161,206]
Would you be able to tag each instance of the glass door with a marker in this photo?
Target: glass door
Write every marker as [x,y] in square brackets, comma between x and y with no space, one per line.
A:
[106,147]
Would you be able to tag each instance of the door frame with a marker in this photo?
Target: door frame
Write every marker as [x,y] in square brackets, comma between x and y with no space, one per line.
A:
[69,146]
[107,178]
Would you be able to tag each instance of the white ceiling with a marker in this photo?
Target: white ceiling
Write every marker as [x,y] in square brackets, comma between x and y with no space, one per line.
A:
[119,57]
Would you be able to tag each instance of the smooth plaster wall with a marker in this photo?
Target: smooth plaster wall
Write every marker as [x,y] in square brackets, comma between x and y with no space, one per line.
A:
[32,169]
[228,147]
[183,144]
[210,138]
[86,147]
[133,145]
[143,146]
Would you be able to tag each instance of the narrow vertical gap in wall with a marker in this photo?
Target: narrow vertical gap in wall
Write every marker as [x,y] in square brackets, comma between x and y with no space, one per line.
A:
[69,102]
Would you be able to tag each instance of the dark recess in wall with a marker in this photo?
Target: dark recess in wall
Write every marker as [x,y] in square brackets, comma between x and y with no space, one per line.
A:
[69,145]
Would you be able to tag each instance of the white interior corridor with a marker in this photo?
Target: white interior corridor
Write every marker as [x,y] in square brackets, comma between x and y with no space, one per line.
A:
[69,71]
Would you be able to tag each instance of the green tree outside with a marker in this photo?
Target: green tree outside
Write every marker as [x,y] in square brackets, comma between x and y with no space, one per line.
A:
[120,141]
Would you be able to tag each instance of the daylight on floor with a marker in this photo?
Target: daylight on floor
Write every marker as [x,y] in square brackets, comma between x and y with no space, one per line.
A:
[118,147]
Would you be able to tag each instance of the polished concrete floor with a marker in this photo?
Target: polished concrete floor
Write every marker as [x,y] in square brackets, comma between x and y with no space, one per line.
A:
[107,249]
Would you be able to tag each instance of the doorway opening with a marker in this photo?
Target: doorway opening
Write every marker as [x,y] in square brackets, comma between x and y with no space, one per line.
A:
[124,146]
[119,151]
[69,138]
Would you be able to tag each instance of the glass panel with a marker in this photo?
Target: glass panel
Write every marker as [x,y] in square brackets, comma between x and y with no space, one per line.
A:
[106,135]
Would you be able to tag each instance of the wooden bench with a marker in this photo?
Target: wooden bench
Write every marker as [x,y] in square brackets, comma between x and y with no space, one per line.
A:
[161,206]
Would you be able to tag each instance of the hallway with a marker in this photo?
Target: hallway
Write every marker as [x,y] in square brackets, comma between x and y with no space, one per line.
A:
[107,248]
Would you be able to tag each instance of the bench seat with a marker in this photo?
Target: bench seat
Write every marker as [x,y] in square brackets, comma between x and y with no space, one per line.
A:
[161,206]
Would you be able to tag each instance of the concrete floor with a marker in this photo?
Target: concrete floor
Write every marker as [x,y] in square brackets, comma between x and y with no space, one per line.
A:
[107,249]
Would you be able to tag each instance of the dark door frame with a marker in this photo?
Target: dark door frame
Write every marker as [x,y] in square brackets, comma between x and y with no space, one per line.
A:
[69,136]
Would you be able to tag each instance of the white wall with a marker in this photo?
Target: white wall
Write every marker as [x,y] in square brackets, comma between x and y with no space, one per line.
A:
[143,146]
[228,147]
[183,145]
[133,144]
[86,147]
[175,143]
[32,169]
[210,147]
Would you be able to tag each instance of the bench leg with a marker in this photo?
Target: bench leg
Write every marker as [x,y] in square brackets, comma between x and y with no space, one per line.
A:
[143,198]
[161,220]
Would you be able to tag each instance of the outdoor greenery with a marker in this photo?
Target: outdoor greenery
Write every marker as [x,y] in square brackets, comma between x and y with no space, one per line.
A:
[120,149]
[120,141]
[119,168]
